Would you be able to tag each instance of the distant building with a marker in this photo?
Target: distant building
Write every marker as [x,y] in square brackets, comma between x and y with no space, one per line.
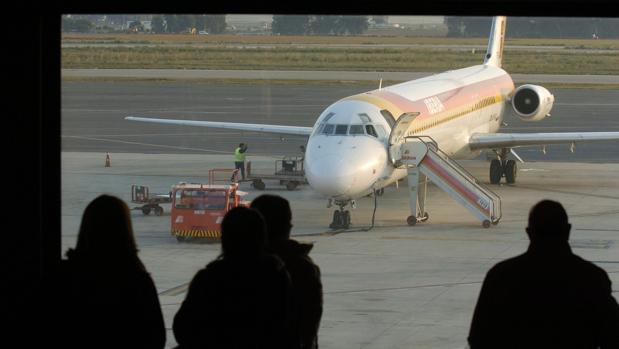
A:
[249,22]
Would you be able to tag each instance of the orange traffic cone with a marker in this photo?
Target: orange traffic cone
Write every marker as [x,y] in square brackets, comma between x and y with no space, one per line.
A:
[108,161]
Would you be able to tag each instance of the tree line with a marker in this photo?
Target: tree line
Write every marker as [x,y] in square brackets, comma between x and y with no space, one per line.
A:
[457,26]
[319,25]
[216,24]
[536,27]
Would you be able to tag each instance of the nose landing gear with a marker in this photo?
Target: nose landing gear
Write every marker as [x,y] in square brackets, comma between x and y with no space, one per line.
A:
[341,217]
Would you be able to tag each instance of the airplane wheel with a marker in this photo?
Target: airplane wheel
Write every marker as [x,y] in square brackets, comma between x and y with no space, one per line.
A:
[411,220]
[258,184]
[511,169]
[486,224]
[346,219]
[496,171]
[158,210]
[337,220]
[146,210]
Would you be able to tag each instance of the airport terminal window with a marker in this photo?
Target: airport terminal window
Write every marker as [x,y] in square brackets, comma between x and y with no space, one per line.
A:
[158,156]
[341,129]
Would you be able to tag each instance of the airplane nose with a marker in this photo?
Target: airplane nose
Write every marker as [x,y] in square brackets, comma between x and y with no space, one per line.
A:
[346,170]
[330,175]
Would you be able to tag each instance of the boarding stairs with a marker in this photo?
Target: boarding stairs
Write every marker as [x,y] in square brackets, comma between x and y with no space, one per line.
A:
[424,161]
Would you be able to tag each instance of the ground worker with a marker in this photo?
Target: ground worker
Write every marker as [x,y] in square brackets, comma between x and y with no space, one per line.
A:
[239,159]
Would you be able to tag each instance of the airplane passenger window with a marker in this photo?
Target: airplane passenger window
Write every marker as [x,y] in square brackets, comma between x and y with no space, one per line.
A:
[356,130]
[371,131]
[328,129]
[341,129]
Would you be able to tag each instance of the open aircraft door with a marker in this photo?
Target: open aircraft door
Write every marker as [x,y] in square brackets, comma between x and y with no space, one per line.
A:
[396,138]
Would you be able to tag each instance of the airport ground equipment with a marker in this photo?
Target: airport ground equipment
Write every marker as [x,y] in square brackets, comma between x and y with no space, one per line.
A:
[424,161]
[198,209]
[223,175]
[288,171]
[140,194]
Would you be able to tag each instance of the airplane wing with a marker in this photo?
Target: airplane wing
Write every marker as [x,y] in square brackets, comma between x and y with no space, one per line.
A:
[514,140]
[289,130]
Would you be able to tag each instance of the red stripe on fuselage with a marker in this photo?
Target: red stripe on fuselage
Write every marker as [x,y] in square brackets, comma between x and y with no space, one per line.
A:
[465,192]
[452,99]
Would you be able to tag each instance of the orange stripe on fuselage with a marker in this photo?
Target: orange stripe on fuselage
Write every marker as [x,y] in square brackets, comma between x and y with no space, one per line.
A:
[456,102]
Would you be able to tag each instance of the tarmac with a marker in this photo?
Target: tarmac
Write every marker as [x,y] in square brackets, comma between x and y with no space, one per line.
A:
[386,286]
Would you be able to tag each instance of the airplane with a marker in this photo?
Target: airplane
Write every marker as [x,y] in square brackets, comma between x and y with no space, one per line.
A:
[348,152]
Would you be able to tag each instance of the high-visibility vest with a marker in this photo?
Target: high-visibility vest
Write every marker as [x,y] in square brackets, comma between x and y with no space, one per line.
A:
[238,156]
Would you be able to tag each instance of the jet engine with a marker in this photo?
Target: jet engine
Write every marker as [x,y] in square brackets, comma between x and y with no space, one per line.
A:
[532,102]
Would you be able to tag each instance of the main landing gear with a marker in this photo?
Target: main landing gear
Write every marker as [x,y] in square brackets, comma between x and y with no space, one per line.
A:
[341,217]
[501,167]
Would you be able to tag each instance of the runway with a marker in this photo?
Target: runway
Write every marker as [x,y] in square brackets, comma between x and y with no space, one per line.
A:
[93,112]
[203,74]
[391,286]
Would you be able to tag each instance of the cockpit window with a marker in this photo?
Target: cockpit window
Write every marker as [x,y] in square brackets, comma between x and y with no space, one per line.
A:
[376,131]
[329,116]
[328,129]
[369,129]
[364,118]
[356,130]
[341,129]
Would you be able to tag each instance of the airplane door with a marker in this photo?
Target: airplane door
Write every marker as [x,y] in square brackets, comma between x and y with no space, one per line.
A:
[398,132]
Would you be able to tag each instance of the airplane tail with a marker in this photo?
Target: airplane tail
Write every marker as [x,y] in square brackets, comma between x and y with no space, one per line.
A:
[494,55]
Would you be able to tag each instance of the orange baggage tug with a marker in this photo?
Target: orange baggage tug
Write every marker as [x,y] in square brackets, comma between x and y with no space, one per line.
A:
[198,209]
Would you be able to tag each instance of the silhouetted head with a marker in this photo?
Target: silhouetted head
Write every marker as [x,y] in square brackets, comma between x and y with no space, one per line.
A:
[241,145]
[277,215]
[242,233]
[106,233]
[548,222]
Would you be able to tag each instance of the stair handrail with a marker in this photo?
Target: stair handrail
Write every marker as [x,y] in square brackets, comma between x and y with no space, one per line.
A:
[466,174]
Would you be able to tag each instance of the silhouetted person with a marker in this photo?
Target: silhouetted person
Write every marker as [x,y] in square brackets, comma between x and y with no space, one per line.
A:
[305,275]
[108,298]
[547,297]
[242,298]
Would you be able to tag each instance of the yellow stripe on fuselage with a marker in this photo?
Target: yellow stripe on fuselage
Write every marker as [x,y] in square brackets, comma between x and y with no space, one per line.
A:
[379,102]
[420,126]
[426,122]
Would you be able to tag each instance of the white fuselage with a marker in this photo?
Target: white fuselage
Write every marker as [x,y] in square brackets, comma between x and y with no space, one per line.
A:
[347,154]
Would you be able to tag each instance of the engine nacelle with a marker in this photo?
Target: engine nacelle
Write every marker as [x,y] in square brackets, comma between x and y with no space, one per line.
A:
[532,102]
